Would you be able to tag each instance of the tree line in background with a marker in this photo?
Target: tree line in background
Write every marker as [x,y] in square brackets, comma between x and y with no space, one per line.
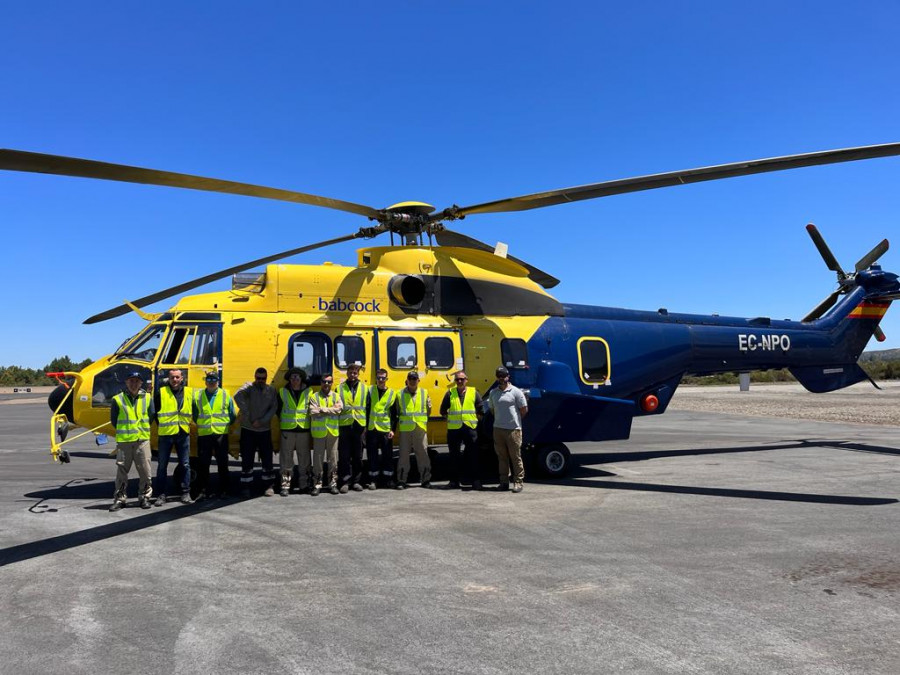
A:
[877,369]
[16,376]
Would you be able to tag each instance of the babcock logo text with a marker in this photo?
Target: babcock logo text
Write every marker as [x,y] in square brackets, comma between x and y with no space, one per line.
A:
[338,305]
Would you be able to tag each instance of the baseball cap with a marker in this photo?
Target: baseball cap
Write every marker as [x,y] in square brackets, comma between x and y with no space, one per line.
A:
[212,377]
[412,375]
[134,373]
[501,372]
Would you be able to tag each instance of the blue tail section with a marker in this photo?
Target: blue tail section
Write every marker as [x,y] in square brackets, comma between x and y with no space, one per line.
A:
[819,379]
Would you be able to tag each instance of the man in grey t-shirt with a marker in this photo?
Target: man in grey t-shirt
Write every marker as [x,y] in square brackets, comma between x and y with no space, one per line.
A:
[509,407]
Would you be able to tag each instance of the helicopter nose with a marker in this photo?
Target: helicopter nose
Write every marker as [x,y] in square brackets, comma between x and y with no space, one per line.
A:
[56,397]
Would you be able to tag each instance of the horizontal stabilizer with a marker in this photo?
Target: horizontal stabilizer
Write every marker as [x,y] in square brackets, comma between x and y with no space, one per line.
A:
[819,379]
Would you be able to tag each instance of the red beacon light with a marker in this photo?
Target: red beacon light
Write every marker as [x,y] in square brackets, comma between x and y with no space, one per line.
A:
[649,403]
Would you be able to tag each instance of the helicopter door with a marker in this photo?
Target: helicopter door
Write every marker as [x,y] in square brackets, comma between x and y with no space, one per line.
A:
[195,349]
[435,354]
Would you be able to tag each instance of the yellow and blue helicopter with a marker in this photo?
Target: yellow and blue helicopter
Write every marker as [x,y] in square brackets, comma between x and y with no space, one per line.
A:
[588,371]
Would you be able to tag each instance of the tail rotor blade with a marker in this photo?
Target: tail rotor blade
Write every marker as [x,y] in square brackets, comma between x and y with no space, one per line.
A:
[823,307]
[824,251]
[879,250]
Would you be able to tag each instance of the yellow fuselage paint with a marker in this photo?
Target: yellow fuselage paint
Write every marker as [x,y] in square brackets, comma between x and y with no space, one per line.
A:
[336,300]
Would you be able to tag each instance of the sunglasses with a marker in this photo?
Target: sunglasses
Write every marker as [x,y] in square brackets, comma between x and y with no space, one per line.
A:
[461,379]
[327,381]
[380,378]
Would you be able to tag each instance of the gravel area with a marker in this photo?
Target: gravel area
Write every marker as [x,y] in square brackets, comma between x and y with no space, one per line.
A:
[861,403]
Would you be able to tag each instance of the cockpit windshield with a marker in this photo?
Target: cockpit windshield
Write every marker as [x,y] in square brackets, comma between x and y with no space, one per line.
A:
[144,346]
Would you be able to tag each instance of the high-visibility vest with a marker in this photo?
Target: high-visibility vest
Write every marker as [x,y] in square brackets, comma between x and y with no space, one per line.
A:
[294,415]
[354,406]
[213,418]
[462,412]
[170,418]
[133,420]
[380,409]
[325,425]
[413,410]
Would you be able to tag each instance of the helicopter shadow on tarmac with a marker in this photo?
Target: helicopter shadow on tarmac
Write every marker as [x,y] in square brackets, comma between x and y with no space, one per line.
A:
[586,475]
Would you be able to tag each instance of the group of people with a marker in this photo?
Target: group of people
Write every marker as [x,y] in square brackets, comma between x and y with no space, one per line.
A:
[330,426]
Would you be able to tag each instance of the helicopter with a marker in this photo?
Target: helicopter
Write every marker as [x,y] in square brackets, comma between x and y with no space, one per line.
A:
[440,301]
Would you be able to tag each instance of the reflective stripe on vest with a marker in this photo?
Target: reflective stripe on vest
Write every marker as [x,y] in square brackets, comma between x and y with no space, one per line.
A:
[325,425]
[170,418]
[212,418]
[132,422]
[380,415]
[413,411]
[462,412]
[294,415]
[354,406]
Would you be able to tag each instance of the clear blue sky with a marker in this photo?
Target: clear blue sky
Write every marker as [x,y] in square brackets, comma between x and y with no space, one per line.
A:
[450,102]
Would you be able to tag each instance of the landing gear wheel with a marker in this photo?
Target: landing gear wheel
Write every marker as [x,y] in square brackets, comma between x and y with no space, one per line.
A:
[553,461]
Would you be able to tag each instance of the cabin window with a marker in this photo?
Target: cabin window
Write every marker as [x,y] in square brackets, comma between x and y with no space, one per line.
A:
[206,346]
[514,353]
[401,353]
[349,350]
[439,353]
[312,353]
[593,360]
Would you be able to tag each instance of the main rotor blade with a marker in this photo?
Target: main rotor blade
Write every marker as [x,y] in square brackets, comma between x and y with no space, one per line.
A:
[18,160]
[450,238]
[660,180]
[823,306]
[824,251]
[189,285]
[877,251]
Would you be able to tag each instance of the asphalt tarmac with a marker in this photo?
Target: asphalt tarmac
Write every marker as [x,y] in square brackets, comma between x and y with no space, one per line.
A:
[708,543]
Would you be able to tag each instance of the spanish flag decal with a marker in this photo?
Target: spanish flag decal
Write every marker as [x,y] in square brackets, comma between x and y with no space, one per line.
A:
[870,310]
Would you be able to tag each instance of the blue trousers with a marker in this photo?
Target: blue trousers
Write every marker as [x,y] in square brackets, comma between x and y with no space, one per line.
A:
[182,444]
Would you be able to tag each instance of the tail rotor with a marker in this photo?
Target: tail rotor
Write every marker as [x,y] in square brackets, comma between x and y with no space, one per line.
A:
[845,279]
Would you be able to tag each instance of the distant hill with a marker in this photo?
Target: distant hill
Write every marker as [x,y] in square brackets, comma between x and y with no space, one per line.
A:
[880,355]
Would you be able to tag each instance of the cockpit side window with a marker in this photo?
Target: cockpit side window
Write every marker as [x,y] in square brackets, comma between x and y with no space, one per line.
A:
[145,347]
[312,353]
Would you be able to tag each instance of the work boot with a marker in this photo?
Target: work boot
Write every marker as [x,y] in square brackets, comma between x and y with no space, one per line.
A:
[186,498]
[357,487]
[115,506]
[517,488]
[333,489]
[427,485]
[391,483]
[201,496]
[285,492]
[315,491]
[401,486]
[452,485]
[476,484]
[344,489]
[144,502]
[160,501]
[371,486]
[503,487]
[269,492]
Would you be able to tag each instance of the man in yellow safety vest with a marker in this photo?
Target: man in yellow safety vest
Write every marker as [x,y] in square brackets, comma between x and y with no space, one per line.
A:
[293,414]
[130,413]
[173,403]
[354,401]
[415,408]
[462,406]
[380,424]
[213,415]
[324,411]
